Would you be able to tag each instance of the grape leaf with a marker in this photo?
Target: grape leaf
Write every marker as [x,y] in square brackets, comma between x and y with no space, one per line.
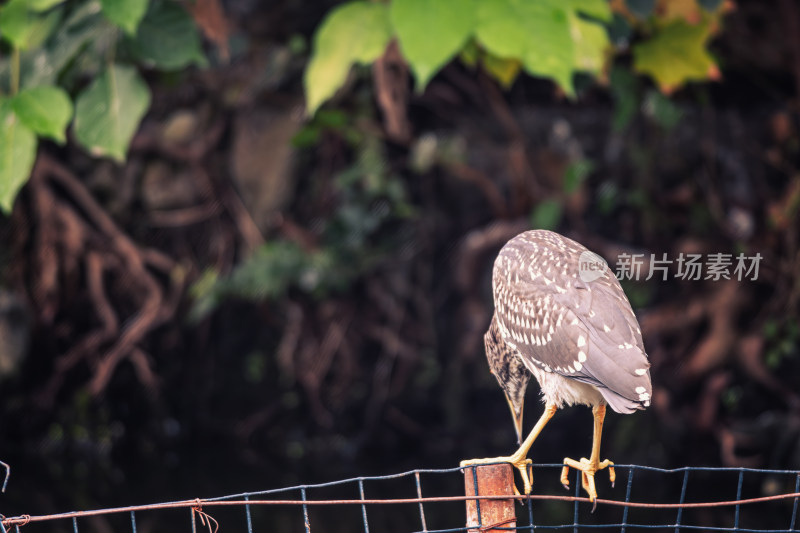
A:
[536,32]
[431,32]
[676,54]
[547,214]
[470,53]
[576,173]
[82,26]
[125,13]
[356,32]
[500,29]
[25,28]
[107,113]
[17,154]
[599,10]
[167,38]
[503,70]
[547,35]
[46,110]
[43,5]
[625,90]
[687,10]
[591,42]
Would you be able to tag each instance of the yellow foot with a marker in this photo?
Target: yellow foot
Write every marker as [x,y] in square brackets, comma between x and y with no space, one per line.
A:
[588,470]
[520,463]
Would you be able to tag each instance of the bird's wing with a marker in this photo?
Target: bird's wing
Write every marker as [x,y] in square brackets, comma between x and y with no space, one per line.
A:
[581,330]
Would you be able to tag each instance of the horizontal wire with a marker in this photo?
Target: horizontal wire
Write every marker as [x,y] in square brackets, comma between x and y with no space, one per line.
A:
[21,520]
[608,526]
[535,466]
[357,479]
[236,499]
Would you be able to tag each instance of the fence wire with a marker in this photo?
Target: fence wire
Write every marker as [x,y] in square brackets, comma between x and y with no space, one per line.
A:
[761,501]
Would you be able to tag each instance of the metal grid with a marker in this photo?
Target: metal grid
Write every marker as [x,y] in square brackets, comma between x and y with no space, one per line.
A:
[764,501]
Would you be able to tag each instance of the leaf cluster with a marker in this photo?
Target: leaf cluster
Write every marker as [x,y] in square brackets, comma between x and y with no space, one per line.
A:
[76,62]
[551,39]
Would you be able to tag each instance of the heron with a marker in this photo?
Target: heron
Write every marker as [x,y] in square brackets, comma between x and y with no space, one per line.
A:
[562,316]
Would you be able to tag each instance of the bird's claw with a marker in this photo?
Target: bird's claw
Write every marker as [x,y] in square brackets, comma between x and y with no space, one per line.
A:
[520,464]
[588,470]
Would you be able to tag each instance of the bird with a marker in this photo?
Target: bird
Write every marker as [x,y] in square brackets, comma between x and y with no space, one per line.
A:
[562,317]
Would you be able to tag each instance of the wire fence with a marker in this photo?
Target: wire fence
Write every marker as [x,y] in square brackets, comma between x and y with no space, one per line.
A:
[760,501]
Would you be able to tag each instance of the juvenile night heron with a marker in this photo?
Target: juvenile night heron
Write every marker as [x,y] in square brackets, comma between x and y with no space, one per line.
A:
[561,315]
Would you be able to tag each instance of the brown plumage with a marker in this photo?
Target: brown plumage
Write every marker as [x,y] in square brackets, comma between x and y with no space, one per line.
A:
[561,316]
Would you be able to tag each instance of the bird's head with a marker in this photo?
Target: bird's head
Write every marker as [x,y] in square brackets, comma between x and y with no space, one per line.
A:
[510,373]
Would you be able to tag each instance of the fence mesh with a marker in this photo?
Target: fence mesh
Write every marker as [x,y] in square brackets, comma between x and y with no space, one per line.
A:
[431,501]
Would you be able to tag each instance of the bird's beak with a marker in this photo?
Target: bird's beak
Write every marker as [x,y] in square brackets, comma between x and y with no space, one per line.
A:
[517,416]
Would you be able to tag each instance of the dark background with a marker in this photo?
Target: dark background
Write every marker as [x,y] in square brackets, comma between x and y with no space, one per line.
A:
[366,356]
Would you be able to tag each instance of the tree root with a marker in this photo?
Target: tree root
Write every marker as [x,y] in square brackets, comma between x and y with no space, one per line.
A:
[131,290]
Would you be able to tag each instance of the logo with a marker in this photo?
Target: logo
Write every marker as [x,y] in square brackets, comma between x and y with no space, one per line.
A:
[591,266]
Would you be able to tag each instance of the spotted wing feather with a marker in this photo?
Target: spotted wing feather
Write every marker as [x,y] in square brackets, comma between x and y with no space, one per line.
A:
[582,330]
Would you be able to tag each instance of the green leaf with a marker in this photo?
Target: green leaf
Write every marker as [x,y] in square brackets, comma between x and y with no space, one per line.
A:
[591,42]
[501,29]
[598,9]
[17,154]
[676,54]
[503,70]
[470,53]
[43,5]
[576,173]
[608,197]
[356,32]
[107,113]
[167,38]
[625,90]
[662,110]
[431,32]
[84,26]
[46,110]
[552,55]
[547,214]
[127,14]
[23,27]
[306,137]
[547,36]
[687,10]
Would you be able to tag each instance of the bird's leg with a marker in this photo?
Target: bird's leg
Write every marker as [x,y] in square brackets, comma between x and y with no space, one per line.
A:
[589,467]
[520,457]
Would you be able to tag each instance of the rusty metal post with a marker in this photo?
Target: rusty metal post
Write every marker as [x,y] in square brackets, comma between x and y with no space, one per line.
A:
[492,480]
